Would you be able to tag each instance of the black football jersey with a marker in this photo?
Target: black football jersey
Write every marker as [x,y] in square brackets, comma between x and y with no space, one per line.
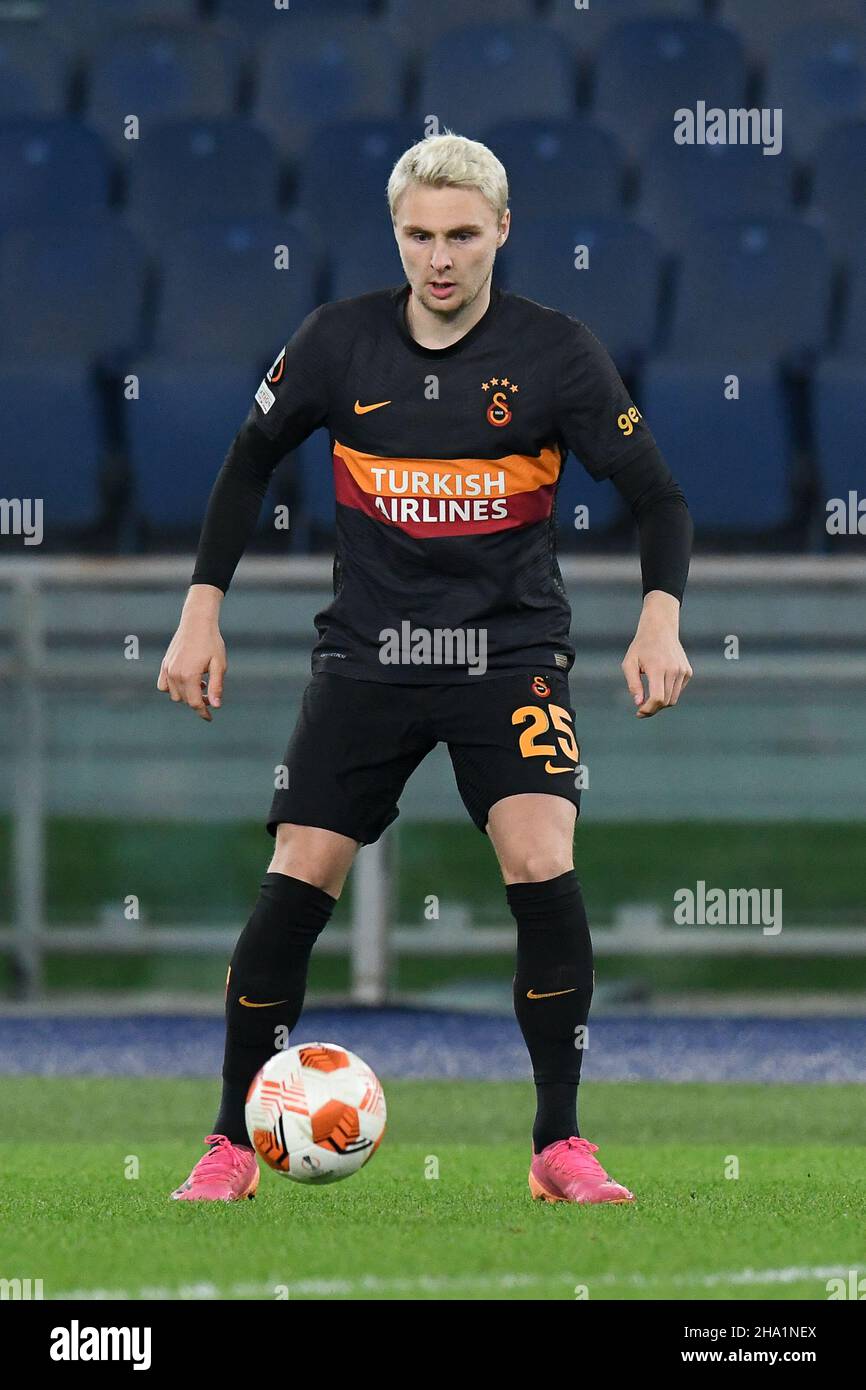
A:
[446,464]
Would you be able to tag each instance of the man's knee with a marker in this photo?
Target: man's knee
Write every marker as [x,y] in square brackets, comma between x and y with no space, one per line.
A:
[320,857]
[533,837]
[528,865]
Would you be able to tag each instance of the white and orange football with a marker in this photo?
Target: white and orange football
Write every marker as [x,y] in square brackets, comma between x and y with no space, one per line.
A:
[316,1112]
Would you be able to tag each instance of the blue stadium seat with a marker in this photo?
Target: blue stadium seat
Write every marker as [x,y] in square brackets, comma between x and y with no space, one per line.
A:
[684,186]
[752,291]
[731,457]
[836,205]
[158,73]
[344,174]
[254,12]
[33,75]
[616,296]
[53,440]
[472,74]
[71,289]
[576,488]
[52,168]
[368,260]
[315,466]
[648,68]
[82,25]
[839,413]
[222,298]
[195,171]
[572,166]
[817,75]
[852,341]
[179,432]
[762,23]
[588,29]
[416,24]
[322,70]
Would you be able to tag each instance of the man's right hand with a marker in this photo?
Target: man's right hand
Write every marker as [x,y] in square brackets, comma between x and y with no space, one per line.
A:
[197,651]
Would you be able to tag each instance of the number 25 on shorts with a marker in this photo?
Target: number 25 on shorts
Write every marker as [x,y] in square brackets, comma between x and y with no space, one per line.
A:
[539,719]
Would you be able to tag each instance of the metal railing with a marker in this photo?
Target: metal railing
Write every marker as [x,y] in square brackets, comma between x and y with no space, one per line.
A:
[51,611]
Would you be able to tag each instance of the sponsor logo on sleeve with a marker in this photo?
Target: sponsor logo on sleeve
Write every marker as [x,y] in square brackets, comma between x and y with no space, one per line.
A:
[265,397]
[628,419]
[276,372]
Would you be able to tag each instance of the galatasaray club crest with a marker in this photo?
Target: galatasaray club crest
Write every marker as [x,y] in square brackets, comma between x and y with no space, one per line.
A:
[540,686]
[499,391]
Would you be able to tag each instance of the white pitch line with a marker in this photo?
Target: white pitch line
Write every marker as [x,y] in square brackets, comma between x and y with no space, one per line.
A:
[372,1283]
[791,1275]
[366,1283]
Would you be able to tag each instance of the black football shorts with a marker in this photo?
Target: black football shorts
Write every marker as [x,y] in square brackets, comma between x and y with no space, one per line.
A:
[356,743]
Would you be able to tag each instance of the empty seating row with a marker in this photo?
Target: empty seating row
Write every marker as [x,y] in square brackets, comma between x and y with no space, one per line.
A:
[735,455]
[305,70]
[743,290]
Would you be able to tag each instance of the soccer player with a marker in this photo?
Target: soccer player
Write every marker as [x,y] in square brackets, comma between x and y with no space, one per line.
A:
[451,406]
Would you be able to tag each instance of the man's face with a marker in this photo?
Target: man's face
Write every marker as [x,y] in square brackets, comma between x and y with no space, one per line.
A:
[448,239]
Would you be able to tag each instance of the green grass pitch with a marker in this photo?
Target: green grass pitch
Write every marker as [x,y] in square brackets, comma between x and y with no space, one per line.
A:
[72,1214]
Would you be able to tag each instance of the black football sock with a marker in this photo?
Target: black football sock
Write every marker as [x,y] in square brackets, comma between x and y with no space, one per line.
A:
[266,984]
[552,994]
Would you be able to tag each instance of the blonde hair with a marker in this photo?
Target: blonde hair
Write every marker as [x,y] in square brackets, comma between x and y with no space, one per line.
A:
[449,160]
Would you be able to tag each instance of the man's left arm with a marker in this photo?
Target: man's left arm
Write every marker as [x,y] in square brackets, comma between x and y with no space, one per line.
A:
[665,530]
[597,420]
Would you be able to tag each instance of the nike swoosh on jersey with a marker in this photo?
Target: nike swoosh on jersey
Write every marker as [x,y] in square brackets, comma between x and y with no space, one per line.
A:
[548,767]
[362,409]
[269,1004]
[530,993]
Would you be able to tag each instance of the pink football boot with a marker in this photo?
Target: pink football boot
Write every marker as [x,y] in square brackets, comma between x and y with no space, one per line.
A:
[567,1172]
[226,1173]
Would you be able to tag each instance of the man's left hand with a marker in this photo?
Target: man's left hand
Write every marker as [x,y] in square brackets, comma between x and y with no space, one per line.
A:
[657,654]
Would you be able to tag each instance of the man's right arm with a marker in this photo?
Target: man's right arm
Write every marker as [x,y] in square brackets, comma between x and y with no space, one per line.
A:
[234,505]
[290,404]
[197,650]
